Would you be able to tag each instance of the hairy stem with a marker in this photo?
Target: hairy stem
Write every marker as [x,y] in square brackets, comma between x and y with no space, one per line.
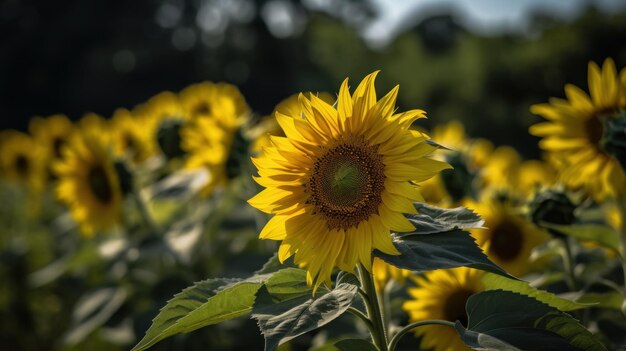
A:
[408,328]
[374,311]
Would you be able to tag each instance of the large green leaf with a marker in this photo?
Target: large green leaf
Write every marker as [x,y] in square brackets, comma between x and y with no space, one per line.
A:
[282,317]
[205,303]
[504,320]
[493,281]
[454,248]
[436,220]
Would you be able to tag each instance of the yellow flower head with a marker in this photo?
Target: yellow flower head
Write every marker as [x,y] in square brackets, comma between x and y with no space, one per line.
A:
[575,128]
[217,112]
[442,295]
[508,239]
[21,160]
[88,183]
[268,126]
[131,138]
[160,110]
[221,102]
[52,133]
[341,179]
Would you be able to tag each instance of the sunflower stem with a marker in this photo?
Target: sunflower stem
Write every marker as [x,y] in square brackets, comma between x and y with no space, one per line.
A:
[364,318]
[396,338]
[374,311]
[146,216]
[568,264]
[621,204]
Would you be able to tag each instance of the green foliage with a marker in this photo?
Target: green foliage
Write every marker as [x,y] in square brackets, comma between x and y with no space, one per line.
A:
[504,320]
[283,317]
[599,233]
[433,219]
[493,281]
[355,345]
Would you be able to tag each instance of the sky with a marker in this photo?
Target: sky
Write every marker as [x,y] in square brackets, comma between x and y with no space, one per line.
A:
[481,16]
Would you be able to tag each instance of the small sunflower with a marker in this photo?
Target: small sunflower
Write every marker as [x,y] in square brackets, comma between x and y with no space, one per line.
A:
[218,101]
[442,295]
[52,134]
[213,139]
[21,160]
[130,137]
[575,128]
[508,239]
[88,183]
[268,125]
[162,117]
[341,179]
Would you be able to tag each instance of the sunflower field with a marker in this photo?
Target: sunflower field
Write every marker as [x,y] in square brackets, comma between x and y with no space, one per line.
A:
[353,217]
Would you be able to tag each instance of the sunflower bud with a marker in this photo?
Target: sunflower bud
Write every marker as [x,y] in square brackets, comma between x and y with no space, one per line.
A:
[168,137]
[553,207]
[613,139]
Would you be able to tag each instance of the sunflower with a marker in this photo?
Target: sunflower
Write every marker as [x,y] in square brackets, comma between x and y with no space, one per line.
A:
[52,134]
[442,295]
[218,101]
[21,160]
[534,175]
[384,272]
[508,239]
[130,137]
[341,179]
[162,117]
[575,130]
[88,183]
[268,125]
[213,139]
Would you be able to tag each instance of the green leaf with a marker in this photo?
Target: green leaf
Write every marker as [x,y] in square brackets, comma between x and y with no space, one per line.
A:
[504,320]
[493,281]
[205,303]
[273,264]
[355,345]
[454,248]
[599,233]
[433,219]
[283,317]
[610,299]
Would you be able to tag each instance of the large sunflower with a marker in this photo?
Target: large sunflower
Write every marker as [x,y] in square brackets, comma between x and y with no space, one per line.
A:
[341,179]
[442,295]
[575,129]
[88,183]
[508,239]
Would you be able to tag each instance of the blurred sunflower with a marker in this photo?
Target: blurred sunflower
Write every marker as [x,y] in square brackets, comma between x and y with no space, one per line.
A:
[340,180]
[260,134]
[130,137]
[500,173]
[442,295]
[162,116]
[534,175]
[219,101]
[575,131]
[508,239]
[88,183]
[384,272]
[21,160]
[213,139]
[52,133]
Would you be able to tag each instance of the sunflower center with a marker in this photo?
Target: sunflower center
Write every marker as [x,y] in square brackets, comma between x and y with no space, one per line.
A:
[99,184]
[202,108]
[506,241]
[346,184]
[594,129]
[57,145]
[22,165]
[454,306]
